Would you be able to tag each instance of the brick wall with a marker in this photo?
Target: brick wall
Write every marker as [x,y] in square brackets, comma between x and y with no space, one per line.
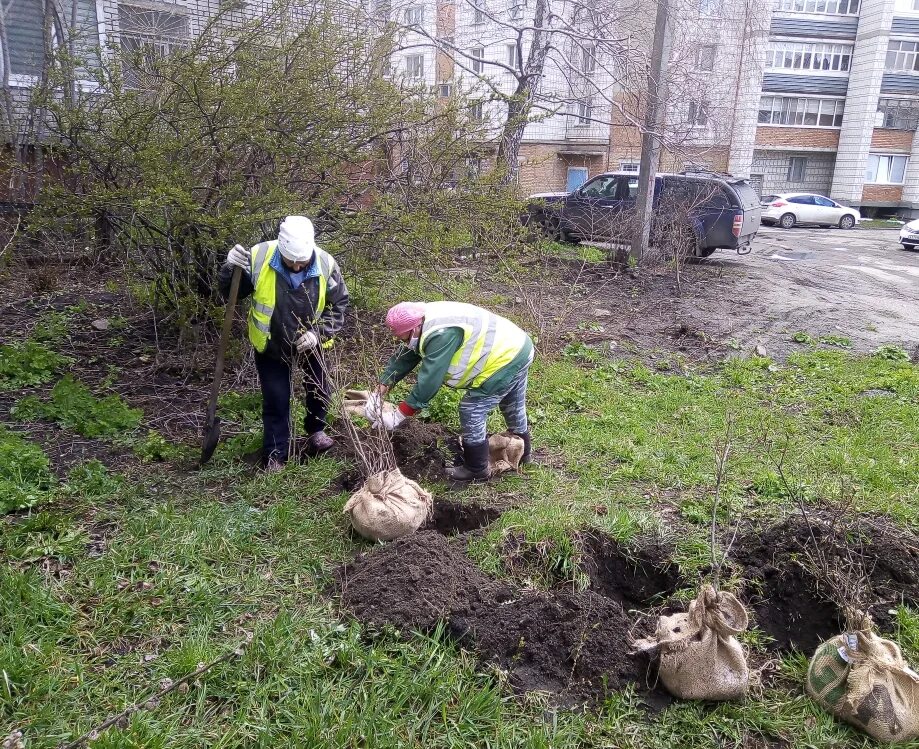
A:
[892,140]
[772,169]
[543,169]
[797,137]
[882,193]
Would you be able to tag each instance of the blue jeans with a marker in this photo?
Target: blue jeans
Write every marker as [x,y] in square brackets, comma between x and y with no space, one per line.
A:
[475,408]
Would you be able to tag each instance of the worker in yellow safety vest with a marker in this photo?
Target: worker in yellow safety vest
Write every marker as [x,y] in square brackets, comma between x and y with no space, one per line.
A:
[466,347]
[298,304]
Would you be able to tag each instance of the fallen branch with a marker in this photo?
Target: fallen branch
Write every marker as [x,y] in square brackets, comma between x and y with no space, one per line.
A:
[153,700]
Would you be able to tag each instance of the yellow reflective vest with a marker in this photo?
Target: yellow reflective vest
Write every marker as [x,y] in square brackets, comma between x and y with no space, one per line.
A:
[264,283]
[490,342]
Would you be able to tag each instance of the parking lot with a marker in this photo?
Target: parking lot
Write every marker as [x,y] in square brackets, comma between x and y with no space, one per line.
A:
[859,284]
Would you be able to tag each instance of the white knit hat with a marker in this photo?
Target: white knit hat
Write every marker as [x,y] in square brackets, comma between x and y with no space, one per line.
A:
[297,239]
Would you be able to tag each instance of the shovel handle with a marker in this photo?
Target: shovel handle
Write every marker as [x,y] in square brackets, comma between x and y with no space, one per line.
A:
[222,346]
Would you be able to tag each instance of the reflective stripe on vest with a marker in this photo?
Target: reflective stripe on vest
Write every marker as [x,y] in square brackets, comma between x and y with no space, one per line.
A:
[490,342]
[264,282]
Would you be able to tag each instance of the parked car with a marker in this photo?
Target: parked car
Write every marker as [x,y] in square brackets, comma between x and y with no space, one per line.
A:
[711,211]
[909,235]
[806,208]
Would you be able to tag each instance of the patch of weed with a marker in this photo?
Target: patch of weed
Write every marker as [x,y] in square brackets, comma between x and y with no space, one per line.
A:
[25,474]
[28,364]
[93,480]
[155,448]
[802,337]
[73,406]
[892,353]
[836,340]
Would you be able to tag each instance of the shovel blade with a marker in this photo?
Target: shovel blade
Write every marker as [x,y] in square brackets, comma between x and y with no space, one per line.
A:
[209,444]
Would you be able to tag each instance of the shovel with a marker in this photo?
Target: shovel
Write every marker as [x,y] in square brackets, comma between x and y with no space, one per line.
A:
[212,426]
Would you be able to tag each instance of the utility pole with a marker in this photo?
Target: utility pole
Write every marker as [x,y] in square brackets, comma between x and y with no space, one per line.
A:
[655,112]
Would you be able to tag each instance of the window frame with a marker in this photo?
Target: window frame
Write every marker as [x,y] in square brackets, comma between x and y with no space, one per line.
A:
[794,111]
[839,7]
[708,65]
[478,60]
[873,172]
[904,60]
[899,117]
[697,112]
[797,170]
[409,60]
[826,58]
[411,11]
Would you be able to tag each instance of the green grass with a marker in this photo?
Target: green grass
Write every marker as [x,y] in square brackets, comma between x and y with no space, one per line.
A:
[74,406]
[879,223]
[123,581]
[28,364]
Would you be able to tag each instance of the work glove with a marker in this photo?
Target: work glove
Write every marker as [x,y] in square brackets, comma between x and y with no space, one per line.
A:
[307,342]
[373,410]
[391,419]
[240,256]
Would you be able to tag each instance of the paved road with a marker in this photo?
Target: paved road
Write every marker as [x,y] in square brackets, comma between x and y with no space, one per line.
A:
[859,283]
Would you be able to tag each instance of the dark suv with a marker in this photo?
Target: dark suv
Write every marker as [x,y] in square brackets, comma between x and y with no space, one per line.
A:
[709,211]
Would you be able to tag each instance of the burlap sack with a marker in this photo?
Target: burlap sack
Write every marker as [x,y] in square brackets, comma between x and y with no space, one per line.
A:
[863,679]
[505,451]
[700,657]
[355,403]
[388,506]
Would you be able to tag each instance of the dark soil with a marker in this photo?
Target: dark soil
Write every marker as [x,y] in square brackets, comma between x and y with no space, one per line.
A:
[574,645]
[795,604]
[637,578]
[424,449]
[451,518]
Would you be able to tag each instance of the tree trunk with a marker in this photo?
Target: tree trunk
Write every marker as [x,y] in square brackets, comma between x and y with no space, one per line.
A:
[520,105]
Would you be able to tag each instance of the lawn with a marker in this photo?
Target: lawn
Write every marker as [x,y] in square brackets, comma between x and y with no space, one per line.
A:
[120,579]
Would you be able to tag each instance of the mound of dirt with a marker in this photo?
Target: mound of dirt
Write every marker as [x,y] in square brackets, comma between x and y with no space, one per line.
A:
[423,449]
[573,645]
[790,597]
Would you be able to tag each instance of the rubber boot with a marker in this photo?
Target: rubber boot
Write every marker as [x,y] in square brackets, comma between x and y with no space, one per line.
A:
[527,447]
[475,464]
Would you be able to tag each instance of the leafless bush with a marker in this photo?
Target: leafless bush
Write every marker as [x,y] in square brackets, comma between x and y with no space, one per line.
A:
[355,363]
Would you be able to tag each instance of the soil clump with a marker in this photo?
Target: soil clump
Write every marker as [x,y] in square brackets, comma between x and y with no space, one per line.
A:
[573,645]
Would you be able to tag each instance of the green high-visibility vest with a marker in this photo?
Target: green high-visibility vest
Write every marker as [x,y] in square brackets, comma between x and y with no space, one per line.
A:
[490,342]
[264,281]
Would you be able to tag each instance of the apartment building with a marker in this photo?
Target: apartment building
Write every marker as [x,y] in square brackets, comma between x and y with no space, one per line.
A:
[838,105]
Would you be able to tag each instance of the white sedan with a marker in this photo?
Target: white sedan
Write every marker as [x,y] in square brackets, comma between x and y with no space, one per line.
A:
[807,208]
[909,235]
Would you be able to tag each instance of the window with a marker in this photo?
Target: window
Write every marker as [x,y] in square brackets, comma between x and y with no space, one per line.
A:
[382,9]
[809,56]
[901,56]
[445,90]
[478,60]
[577,176]
[797,166]
[807,112]
[513,56]
[830,7]
[600,187]
[517,9]
[584,112]
[414,15]
[478,15]
[414,66]
[885,169]
[476,112]
[589,59]
[147,35]
[705,57]
[628,166]
[899,114]
[825,202]
[709,7]
[698,113]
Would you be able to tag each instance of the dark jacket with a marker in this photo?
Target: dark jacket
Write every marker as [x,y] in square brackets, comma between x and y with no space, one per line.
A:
[295,308]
